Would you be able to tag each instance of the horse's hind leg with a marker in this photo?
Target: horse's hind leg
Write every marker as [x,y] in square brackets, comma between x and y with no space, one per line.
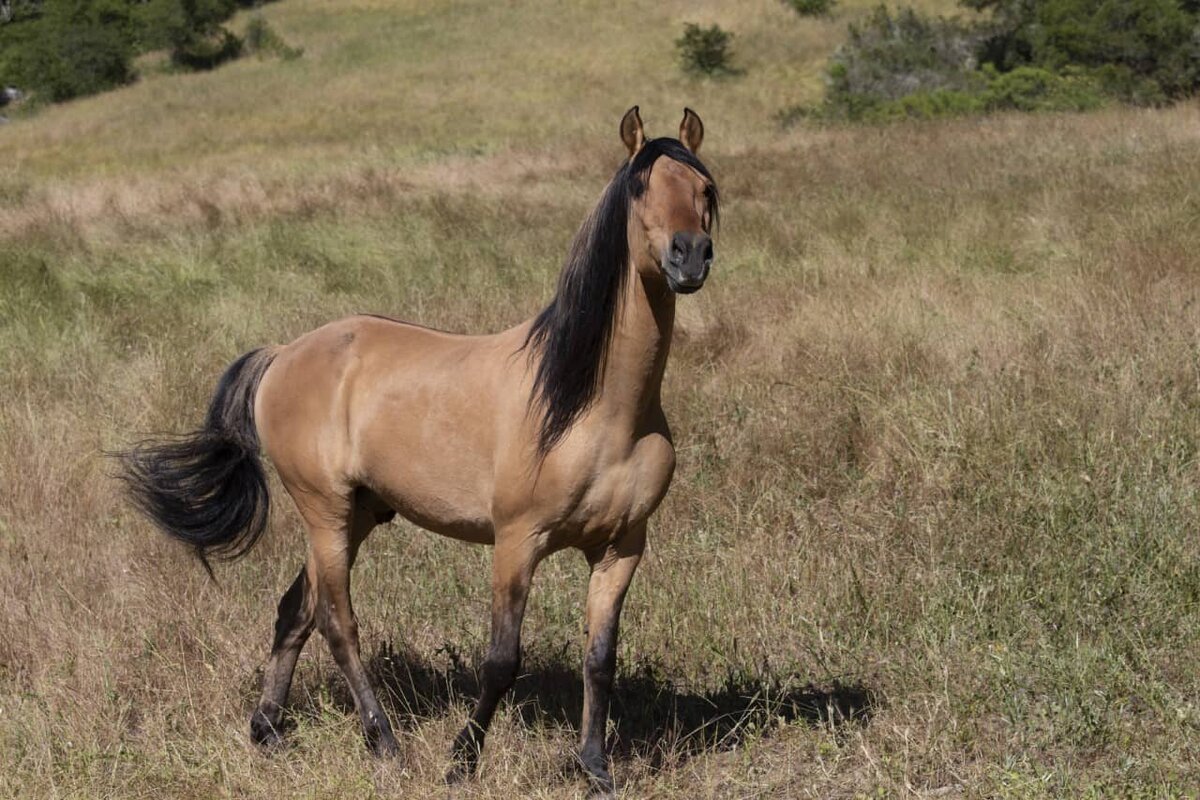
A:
[292,627]
[335,535]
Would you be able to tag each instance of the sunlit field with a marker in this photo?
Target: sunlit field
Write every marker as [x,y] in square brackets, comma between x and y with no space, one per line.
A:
[934,527]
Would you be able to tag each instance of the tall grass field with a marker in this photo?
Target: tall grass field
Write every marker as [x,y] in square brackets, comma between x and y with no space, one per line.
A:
[935,527]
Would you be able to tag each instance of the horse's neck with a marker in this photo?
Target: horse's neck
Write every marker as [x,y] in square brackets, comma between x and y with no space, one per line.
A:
[638,352]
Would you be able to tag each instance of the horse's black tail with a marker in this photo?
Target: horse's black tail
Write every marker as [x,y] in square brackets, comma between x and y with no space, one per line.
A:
[208,488]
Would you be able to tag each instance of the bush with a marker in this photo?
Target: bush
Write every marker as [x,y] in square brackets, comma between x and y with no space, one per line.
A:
[904,65]
[197,39]
[891,56]
[1034,89]
[1143,51]
[1124,84]
[1023,89]
[76,48]
[68,48]
[261,39]
[705,51]
[811,8]
[206,51]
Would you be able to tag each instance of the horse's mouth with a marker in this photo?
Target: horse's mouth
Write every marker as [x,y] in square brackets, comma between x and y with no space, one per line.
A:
[683,288]
[682,285]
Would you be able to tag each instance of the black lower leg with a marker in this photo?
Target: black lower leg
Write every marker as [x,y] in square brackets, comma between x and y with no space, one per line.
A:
[599,671]
[497,675]
[293,624]
[510,590]
[341,633]
[612,570]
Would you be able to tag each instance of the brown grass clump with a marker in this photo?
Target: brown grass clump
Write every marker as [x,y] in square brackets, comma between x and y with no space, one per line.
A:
[933,531]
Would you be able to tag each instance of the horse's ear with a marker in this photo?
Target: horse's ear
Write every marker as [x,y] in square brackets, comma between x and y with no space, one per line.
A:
[691,130]
[631,131]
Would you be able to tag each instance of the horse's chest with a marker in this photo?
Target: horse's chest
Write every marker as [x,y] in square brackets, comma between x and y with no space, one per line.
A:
[623,492]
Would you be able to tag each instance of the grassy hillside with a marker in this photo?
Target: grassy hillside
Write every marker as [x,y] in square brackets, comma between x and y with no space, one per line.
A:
[937,415]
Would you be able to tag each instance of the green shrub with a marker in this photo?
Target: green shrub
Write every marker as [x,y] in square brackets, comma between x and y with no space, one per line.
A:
[69,48]
[75,48]
[928,105]
[1124,84]
[204,51]
[157,23]
[811,8]
[902,64]
[1143,51]
[262,40]
[1035,89]
[705,51]
[890,56]
[197,39]
[1023,89]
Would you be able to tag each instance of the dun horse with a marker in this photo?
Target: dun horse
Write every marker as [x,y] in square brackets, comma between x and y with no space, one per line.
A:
[550,435]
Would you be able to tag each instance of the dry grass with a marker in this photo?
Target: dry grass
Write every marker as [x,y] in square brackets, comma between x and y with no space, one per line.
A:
[937,416]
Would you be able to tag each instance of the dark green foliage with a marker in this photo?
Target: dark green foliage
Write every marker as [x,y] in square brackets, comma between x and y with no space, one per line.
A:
[197,39]
[203,51]
[157,23]
[70,48]
[262,40]
[1032,55]
[1036,89]
[1023,89]
[705,51]
[1145,51]
[892,55]
[18,10]
[811,8]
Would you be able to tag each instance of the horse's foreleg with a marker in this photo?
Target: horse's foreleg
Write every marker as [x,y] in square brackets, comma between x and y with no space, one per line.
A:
[612,570]
[333,552]
[512,573]
[292,628]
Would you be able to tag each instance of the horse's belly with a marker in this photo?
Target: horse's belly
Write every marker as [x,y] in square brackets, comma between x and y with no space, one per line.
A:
[442,515]
[439,482]
[442,491]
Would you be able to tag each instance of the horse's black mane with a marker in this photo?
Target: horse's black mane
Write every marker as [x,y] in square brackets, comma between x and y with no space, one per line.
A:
[573,332]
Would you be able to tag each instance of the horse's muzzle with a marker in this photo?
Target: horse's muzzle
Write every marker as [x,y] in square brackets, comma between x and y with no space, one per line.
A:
[688,261]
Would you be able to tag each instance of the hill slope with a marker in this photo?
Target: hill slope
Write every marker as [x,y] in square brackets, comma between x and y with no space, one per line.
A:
[936,415]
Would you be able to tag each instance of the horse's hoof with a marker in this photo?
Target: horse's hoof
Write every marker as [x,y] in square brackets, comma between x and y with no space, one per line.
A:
[460,772]
[464,755]
[600,785]
[600,782]
[265,733]
[382,741]
[385,747]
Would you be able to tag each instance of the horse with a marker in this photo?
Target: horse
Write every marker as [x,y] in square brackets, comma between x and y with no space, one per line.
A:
[547,436]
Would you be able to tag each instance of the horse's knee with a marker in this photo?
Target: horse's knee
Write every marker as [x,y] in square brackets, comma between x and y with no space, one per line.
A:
[600,664]
[500,669]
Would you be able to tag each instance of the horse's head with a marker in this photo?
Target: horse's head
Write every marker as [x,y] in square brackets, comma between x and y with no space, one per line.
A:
[672,215]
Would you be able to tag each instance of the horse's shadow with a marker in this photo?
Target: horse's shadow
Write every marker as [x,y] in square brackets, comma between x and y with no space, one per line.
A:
[655,718]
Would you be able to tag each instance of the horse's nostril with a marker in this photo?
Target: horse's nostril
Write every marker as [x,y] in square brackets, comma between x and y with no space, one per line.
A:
[708,252]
